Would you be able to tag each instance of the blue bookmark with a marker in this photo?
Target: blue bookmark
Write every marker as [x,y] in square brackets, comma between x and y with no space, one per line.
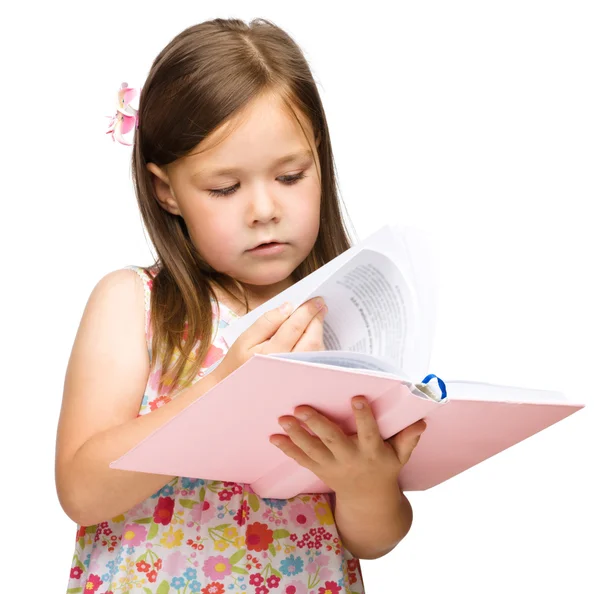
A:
[441,384]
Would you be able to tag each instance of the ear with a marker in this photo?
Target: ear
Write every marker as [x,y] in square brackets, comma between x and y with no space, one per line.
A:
[162,189]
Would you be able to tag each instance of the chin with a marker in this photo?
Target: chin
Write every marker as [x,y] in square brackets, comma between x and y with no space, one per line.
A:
[267,277]
[264,281]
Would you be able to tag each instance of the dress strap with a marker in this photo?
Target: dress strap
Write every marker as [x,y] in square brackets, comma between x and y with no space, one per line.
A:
[147,276]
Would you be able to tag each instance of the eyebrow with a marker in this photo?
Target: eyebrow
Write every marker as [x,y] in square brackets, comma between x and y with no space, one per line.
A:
[281,161]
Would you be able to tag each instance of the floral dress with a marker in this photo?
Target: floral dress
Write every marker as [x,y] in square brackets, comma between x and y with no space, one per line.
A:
[212,537]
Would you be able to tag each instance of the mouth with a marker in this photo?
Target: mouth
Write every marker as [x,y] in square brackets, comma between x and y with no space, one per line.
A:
[266,244]
[268,247]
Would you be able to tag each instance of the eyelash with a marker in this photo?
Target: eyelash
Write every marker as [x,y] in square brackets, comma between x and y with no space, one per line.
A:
[288,180]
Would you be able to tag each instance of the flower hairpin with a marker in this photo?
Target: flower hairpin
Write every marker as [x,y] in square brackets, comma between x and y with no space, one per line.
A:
[126,118]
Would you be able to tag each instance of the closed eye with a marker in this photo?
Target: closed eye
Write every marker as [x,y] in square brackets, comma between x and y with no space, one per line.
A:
[288,180]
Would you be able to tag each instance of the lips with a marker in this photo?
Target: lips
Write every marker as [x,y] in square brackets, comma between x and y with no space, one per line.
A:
[265,243]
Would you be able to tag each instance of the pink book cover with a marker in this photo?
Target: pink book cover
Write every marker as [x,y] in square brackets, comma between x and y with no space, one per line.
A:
[475,421]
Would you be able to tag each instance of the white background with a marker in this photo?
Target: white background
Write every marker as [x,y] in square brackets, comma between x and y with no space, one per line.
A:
[479,121]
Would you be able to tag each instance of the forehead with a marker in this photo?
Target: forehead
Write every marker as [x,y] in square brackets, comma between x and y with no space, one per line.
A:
[264,133]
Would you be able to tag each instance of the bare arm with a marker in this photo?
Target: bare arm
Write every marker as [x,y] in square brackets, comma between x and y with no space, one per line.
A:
[372,523]
[104,385]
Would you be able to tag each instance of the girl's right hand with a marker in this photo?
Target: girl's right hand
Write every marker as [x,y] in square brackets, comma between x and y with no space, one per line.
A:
[277,331]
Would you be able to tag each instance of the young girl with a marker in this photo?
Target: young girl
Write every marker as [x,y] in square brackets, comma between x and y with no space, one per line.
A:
[234,177]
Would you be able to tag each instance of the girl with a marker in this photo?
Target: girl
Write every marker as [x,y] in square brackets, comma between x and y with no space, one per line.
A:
[233,172]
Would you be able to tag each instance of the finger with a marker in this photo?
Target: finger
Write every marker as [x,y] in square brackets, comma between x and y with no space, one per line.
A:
[311,445]
[287,446]
[406,441]
[415,429]
[312,339]
[265,326]
[367,430]
[329,433]
[290,331]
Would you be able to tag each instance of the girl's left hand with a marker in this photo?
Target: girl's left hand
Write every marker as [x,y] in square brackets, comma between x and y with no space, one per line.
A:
[344,461]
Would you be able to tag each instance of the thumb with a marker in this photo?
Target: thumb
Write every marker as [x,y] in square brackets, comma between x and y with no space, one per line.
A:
[265,326]
[406,441]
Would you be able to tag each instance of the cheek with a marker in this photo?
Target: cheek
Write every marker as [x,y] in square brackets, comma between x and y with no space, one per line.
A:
[307,204]
[306,220]
[309,214]
[213,236]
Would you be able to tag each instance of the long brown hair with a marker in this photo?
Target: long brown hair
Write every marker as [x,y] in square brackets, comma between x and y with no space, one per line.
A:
[202,78]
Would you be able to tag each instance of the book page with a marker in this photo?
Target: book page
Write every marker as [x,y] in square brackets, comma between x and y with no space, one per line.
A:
[345,359]
[468,390]
[372,308]
[367,363]
[418,253]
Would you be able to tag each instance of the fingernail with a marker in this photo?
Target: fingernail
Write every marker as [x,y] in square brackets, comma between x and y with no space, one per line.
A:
[319,302]
[286,308]
[285,424]
[302,416]
[358,404]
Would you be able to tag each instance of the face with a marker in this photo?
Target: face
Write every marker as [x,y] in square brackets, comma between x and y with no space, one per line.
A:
[238,193]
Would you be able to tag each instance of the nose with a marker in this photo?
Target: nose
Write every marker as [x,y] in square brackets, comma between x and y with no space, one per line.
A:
[264,207]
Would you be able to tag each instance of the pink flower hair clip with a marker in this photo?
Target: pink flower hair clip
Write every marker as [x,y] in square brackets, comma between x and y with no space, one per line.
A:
[126,118]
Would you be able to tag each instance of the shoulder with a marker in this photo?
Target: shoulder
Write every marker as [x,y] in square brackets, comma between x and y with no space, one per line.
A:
[144,277]
[125,291]
[125,283]
[112,327]
[145,273]
[119,294]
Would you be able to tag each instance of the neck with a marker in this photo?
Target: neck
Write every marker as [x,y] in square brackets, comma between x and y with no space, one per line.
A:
[257,295]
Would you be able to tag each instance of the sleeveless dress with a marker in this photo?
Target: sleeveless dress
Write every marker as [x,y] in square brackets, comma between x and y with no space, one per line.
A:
[212,537]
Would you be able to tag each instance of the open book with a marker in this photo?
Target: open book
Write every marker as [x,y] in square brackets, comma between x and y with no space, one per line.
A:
[381,295]
[378,332]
